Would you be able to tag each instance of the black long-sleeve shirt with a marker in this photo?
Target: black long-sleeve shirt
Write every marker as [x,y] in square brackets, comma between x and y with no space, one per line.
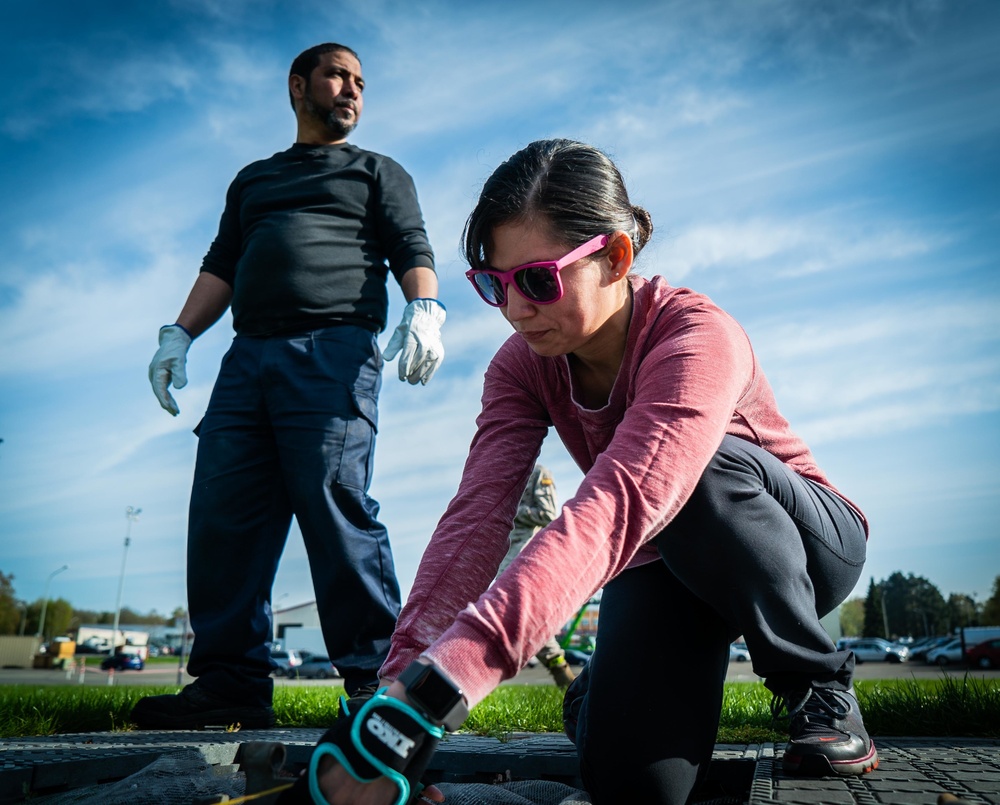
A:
[308,236]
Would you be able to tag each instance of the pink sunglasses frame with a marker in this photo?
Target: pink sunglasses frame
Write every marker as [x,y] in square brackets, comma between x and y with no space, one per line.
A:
[554,267]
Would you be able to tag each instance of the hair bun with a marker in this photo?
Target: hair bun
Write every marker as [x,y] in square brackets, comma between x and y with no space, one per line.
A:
[643,226]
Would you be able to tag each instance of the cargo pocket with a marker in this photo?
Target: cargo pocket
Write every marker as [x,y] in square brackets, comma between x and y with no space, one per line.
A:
[359,443]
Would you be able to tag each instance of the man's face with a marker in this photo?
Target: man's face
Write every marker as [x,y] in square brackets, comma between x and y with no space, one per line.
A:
[333,96]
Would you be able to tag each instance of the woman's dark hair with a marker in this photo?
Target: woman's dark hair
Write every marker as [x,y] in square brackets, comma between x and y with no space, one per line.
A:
[309,59]
[572,188]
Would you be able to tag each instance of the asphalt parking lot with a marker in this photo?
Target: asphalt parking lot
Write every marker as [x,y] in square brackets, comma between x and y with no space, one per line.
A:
[167,675]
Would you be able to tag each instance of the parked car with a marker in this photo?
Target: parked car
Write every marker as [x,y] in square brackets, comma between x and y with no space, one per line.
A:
[920,649]
[984,655]
[949,652]
[577,657]
[316,666]
[286,660]
[875,649]
[123,662]
[738,652]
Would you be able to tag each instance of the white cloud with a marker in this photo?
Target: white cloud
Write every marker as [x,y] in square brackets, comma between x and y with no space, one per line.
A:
[75,321]
[793,245]
[698,108]
[103,83]
[800,159]
[864,369]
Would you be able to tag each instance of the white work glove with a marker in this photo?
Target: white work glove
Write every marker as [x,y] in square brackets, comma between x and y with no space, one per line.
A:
[417,341]
[169,364]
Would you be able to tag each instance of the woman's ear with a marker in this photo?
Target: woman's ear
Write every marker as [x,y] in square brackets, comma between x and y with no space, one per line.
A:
[620,255]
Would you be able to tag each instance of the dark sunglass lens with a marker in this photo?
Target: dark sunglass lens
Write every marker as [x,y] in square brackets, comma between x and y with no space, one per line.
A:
[490,287]
[539,284]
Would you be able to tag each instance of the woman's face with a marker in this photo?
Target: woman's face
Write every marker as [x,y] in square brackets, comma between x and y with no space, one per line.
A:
[591,293]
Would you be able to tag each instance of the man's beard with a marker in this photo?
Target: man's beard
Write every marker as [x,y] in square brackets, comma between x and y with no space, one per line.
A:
[337,127]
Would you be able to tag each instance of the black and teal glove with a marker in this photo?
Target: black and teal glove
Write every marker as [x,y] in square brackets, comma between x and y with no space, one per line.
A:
[383,738]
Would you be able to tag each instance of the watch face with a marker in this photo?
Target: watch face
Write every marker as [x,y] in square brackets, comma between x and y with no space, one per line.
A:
[434,693]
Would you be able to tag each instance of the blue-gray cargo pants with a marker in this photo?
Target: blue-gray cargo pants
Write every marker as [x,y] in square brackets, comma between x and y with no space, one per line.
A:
[290,430]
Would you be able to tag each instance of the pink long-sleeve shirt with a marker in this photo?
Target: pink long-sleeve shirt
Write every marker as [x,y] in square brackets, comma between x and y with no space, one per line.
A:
[688,377]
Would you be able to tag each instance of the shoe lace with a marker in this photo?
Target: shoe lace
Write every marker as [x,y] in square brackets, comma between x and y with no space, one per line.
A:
[818,710]
[365,692]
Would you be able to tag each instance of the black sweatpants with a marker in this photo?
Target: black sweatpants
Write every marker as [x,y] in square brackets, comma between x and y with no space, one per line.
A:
[758,551]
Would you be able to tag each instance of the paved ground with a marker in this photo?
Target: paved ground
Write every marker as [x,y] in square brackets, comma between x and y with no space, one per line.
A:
[167,674]
[84,768]
[108,768]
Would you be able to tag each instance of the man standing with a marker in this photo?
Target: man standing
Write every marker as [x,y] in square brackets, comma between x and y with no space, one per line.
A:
[536,509]
[305,244]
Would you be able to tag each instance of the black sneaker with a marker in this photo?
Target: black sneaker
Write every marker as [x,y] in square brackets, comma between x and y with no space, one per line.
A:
[346,706]
[195,709]
[827,735]
[573,704]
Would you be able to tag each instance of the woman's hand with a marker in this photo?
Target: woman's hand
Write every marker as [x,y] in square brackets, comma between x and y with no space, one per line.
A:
[339,788]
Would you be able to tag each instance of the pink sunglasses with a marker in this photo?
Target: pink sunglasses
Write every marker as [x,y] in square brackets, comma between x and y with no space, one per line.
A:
[537,282]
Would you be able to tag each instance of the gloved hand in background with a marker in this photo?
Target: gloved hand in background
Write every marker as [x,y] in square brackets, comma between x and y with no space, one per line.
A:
[169,365]
[417,341]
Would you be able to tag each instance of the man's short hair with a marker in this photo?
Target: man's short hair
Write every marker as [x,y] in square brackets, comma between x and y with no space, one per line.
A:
[308,60]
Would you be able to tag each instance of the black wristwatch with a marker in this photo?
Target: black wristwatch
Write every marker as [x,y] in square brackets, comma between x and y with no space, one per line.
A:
[434,695]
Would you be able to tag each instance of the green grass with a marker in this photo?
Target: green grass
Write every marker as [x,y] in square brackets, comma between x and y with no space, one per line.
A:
[951,706]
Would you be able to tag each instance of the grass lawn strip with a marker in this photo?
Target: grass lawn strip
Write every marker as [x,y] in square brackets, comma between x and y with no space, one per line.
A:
[953,706]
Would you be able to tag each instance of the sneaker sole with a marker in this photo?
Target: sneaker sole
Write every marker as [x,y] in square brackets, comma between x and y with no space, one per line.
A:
[817,765]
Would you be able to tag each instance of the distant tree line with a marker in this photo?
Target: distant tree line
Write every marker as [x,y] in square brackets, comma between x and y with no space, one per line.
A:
[910,606]
[23,617]
[899,606]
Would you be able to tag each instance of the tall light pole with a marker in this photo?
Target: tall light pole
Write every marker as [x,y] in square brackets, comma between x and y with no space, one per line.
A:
[45,599]
[885,616]
[131,515]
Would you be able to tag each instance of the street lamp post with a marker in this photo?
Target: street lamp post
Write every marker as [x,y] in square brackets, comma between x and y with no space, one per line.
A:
[45,599]
[131,515]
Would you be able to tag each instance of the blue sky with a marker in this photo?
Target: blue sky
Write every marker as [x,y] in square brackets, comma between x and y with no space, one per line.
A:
[827,172]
